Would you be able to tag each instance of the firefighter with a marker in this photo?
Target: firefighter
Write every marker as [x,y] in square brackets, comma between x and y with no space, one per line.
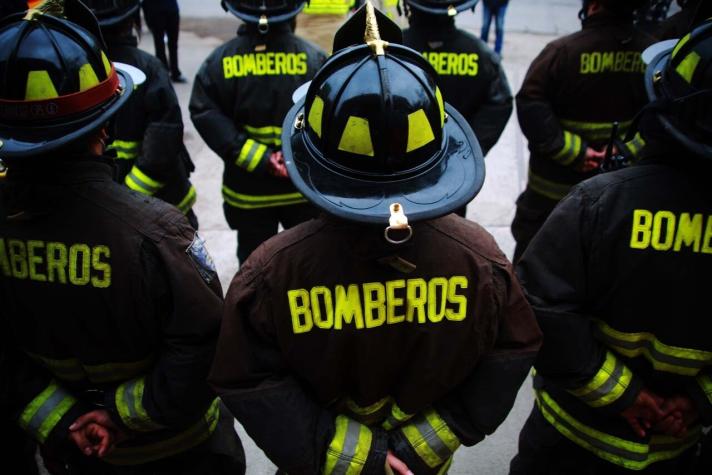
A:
[469,73]
[679,24]
[388,323]
[110,296]
[147,135]
[240,96]
[573,92]
[617,277]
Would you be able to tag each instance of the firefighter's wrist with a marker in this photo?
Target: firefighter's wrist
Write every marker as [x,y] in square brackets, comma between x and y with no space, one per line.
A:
[403,449]
[356,448]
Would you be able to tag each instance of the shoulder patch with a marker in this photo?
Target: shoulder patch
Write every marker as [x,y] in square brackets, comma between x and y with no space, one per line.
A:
[200,256]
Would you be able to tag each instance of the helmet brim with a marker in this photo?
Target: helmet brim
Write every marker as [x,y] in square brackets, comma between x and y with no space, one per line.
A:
[449,184]
[29,140]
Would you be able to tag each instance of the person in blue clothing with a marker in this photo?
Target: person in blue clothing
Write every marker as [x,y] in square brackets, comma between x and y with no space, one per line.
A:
[496,9]
[163,19]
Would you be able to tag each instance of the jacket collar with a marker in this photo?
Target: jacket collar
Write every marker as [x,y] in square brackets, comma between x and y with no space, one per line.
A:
[65,170]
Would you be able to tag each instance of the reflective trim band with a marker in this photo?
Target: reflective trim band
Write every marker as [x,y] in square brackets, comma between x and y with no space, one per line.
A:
[635,145]
[705,382]
[185,440]
[71,369]
[446,466]
[188,200]
[251,154]
[608,385]
[270,134]
[396,418]
[631,455]
[125,150]
[328,7]
[139,181]
[368,410]
[129,403]
[431,438]
[348,450]
[595,131]
[239,200]
[570,150]
[672,359]
[45,411]
[550,189]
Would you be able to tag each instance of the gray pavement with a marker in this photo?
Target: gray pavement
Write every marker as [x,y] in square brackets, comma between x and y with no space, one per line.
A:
[530,25]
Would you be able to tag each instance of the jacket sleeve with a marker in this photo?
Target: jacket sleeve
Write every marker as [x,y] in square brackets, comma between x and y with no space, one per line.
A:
[180,288]
[700,391]
[161,156]
[490,118]
[214,122]
[553,270]
[39,404]
[482,402]
[537,119]
[299,435]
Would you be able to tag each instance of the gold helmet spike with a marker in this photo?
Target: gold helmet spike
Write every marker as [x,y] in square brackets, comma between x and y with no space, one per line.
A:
[372,36]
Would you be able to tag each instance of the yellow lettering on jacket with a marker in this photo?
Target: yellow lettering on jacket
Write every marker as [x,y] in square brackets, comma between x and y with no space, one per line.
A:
[453,64]
[55,262]
[664,231]
[374,304]
[598,62]
[264,64]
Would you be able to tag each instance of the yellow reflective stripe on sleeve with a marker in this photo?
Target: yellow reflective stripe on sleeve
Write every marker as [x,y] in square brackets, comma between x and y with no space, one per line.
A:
[705,382]
[628,454]
[191,437]
[348,450]
[550,189]
[270,134]
[570,150]
[129,403]
[431,438]
[367,410]
[251,154]
[125,149]
[609,383]
[239,200]
[328,7]
[71,369]
[635,145]
[671,359]
[595,131]
[45,411]
[396,418]
[188,200]
[139,181]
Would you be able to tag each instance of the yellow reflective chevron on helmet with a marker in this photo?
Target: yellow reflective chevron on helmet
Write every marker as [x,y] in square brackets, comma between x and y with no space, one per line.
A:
[687,66]
[356,137]
[441,104]
[315,115]
[39,86]
[87,77]
[107,63]
[419,131]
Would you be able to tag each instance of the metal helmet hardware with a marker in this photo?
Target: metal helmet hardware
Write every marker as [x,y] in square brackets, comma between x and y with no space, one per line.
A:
[264,12]
[112,12]
[373,130]
[56,84]
[678,81]
[442,7]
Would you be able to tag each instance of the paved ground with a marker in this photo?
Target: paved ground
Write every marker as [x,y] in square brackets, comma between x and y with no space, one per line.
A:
[530,25]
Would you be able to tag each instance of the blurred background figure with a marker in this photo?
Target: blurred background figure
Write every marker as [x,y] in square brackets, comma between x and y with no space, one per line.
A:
[496,9]
[649,16]
[163,19]
[675,26]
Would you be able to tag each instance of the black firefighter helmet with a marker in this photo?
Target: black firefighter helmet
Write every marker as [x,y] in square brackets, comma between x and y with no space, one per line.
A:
[56,84]
[373,130]
[678,81]
[264,12]
[112,12]
[620,7]
[442,7]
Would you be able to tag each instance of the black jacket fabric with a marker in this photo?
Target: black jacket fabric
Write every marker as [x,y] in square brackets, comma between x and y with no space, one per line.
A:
[367,338]
[617,277]
[470,75]
[240,97]
[573,92]
[113,301]
[147,133]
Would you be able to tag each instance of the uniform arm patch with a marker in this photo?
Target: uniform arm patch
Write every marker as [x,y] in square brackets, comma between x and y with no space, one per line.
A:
[198,253]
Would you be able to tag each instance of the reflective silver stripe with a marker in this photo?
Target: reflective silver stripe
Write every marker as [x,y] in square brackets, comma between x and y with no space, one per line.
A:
[45,411]
[607,387]
[350,442]
[431,438]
